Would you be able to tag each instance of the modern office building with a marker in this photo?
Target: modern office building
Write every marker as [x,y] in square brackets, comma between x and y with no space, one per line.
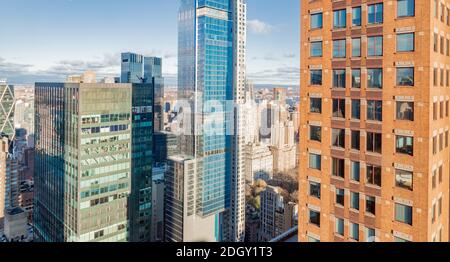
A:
[7,104]
[136,68]
[93,162]
[374,121]
[211,76]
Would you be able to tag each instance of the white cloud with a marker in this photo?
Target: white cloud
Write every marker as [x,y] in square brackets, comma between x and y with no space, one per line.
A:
[259,27]
[284,75]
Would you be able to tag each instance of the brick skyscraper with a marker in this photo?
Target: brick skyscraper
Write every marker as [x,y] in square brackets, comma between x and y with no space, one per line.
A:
[375,87]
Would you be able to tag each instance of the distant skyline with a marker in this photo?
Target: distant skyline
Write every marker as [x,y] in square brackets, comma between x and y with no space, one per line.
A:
[46,40]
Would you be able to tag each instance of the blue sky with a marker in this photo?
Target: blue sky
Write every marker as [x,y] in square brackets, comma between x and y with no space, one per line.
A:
[46,40]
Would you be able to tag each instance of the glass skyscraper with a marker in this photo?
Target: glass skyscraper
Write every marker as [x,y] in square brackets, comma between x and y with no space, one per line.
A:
[93,162]
[136,68]
[7,104]
[206,86]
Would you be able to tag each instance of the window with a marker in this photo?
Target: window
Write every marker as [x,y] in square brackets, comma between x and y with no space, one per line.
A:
[316,21]
[405,76]
[354,231]
[339,48]
[404,145]
[338,166]
[373,175]
[356,47]
[403,213]
[314,217]
[442,49]
[441,109]
[440,173]
[375,46]
[315,161]
[339,78]
[354,200]
[435,111]
[356,109]
[433,213]
[405,110]
[99,234]
[315,133]
[446,108]
[339,108]
[356,16]
[435,76]
[435,42]
[355,171]
[374,110]
[442,77]
[316,105]
[316,49]
[448,16]
[435,8]
[340,194]
[405,8]
[370,235]
[404,179]
[405,42]
[442,12]
[446,138]
[375,78]
[433,179]
[316,77]
[356,78]
[440,206]
[339,19]
[338,137]
[314,189]
[447,50]
[375,14]
[356,136]
[370,205]
[374,142]
[435,145]
[340,226]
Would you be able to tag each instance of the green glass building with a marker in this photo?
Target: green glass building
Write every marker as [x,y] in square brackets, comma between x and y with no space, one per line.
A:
[93,162]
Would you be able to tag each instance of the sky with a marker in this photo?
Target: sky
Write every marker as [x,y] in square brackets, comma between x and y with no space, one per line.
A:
[47,40]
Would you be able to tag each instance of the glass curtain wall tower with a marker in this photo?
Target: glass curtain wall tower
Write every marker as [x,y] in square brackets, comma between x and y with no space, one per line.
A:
[206,87]
[93,162]
[7,104]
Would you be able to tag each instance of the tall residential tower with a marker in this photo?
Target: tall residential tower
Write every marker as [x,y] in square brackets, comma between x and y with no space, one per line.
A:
[374,138]
[211,77]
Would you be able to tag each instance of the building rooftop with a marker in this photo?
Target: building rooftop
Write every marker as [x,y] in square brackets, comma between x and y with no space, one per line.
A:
[290,236]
